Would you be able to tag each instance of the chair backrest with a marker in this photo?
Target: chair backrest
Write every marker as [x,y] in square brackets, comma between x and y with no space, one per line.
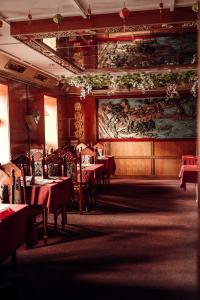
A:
[54,165]
[80,147]
[88,155]
[75,171]
[99,146]
[23,161]
[12,179]
[37,164]
[5,181]
[59,151]
[5,178]
[9,167]
[88,151]
[71,166]
[100,149]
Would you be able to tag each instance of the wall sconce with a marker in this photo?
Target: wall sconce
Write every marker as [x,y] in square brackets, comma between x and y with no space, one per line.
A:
[32,120]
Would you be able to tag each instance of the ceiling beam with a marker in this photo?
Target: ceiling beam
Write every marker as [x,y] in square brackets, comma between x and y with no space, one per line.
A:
[138,18]
[172,5]
[81,8]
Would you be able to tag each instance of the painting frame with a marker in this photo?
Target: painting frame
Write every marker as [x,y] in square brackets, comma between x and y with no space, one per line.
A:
[101,99]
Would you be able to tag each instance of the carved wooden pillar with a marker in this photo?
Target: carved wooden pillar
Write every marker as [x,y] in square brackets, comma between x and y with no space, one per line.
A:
[79,122]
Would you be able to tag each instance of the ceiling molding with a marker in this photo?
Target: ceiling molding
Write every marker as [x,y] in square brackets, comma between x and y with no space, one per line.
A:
[81,8]
[46,51]
[162,69]
[104,21]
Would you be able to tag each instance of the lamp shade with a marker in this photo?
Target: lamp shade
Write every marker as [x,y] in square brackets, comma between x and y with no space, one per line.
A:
[195,7]
[57,19]
[124,13]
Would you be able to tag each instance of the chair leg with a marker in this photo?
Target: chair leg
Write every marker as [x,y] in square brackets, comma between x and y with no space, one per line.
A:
[14,260]
[64,216]
[56,223]
[44,216]
[87,200]
[81,202]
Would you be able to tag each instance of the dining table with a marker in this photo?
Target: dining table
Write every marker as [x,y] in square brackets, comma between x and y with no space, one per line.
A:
[93,169]
[53,193]
[16,228]
[189,174]
[109,163]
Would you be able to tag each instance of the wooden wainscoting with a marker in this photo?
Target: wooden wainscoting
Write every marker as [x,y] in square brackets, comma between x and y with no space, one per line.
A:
[159,158]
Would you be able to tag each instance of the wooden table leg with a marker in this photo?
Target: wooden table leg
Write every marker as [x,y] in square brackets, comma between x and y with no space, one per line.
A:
[44,211]
[197,194]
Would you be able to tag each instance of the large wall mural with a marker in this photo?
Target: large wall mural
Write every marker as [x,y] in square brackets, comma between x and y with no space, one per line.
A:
[148,51]
[148,118]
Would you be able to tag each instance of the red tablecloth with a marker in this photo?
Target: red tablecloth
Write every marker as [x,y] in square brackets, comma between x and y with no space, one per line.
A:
[109,163]
[53,194]
[188,174]
[189,160]
[15,229]
[94,169]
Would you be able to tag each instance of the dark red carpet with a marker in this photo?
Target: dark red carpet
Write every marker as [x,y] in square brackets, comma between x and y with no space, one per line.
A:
[140,242]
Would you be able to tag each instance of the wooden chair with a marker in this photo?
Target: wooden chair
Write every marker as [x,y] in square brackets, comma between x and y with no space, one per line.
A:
[36,210]
[7,183]
[80,180]
[88,153]
[99,147]
[18,176]
[60,152]
[15,174]
[56,166]
[23,160]
[80,147]
[37,164]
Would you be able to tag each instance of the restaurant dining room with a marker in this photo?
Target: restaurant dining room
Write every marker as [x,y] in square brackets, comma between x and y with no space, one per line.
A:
[99,149]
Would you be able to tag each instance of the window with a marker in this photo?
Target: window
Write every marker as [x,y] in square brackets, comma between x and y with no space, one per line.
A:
[4,125]
[51,123]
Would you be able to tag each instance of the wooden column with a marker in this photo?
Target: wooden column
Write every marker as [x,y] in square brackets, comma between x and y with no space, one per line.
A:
[198,152]
[198,101]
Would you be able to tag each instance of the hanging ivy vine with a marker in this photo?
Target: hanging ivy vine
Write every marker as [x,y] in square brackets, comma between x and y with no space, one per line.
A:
[141,81]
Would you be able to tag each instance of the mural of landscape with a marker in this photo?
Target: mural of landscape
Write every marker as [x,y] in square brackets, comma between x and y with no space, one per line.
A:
[149,51]
[148,118]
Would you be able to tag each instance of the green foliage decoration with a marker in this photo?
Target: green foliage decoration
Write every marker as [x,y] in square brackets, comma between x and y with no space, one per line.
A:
[143,81]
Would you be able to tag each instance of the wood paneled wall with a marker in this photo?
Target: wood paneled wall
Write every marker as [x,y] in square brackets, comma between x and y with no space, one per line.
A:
[159,158]
[23,100]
